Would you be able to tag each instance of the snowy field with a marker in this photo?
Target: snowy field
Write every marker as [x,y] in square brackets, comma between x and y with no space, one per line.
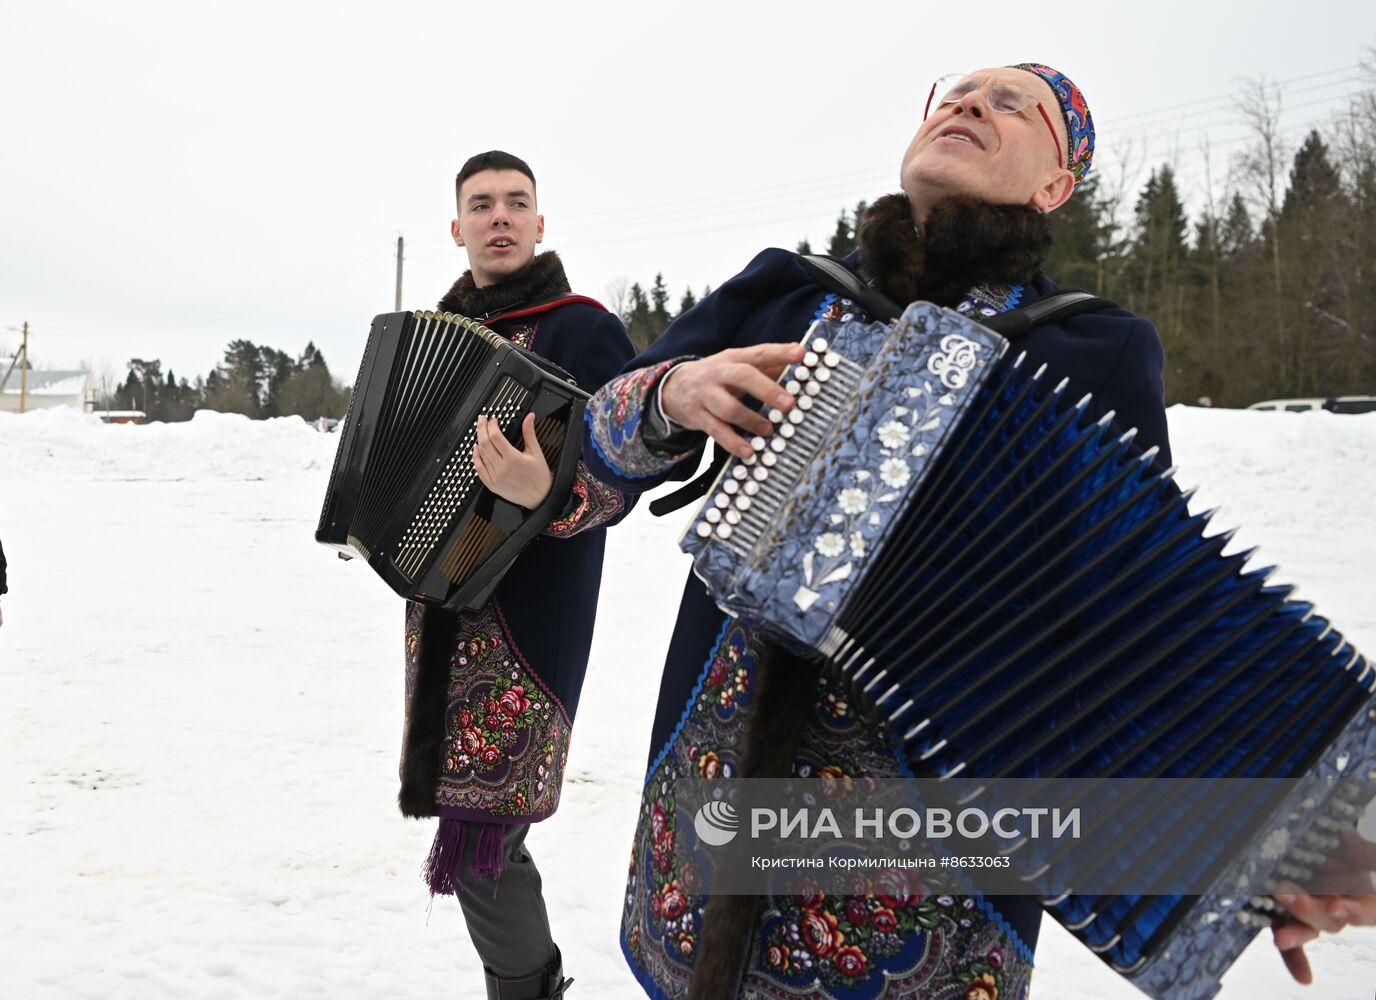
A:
[200,715]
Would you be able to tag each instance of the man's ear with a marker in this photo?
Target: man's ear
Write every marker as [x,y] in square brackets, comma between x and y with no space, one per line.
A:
[454,231]
[539,228]
[1054,193]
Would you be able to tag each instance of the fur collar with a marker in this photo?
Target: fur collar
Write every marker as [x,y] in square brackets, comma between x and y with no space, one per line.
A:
[963,243]
[542,280]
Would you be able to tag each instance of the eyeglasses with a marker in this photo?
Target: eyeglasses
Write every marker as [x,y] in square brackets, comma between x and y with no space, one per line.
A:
[1003,98]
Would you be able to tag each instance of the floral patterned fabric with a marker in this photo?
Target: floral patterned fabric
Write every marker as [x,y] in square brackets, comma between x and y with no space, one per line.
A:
[506,737]
[614,416]
[890,939]
[593,504]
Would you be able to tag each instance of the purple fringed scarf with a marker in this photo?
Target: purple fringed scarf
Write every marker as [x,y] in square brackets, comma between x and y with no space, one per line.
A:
[443,867]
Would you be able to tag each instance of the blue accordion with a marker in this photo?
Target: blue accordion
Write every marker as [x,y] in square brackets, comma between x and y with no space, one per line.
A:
[1018,592]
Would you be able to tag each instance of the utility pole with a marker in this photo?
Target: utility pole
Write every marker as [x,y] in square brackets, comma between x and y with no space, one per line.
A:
[400,249]
[24,370]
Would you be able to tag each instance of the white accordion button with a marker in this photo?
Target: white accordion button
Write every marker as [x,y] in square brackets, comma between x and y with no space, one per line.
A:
[802,374]
[721,499]
[704,529]
[823,374]
[730,487]
[713,515]
[832,359]
[813,388]
[739,472]
[742,503]
[819,345]
[777,443]
[761,474]
[810,359]
[757,443]
[787,430]
[733,517]
[795,416]
[805,403]
[776,416]
[769,459]
[751,488]
[723,531]
[793,387]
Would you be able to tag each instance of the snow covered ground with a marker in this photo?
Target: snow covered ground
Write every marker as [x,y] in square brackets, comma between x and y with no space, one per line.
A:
[200,715]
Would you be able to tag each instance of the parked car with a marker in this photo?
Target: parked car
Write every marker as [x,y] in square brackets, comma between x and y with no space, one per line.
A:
[1289,405]
[1350,404]
[1333,404]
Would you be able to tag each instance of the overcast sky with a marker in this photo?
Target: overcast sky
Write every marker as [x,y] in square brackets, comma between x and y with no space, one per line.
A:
[174,175]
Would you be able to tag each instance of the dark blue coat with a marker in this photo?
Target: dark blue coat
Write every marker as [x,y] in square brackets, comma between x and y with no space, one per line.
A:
[1115,356]
[492,692]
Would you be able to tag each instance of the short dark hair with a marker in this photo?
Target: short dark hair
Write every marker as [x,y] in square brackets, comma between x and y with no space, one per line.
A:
[493,159]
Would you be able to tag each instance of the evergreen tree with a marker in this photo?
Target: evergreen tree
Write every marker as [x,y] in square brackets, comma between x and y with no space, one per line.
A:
[639,321]
[687,302]
[659,299]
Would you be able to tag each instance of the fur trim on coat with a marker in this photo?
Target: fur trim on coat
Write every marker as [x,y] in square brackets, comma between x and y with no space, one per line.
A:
[963,243]
[542,280]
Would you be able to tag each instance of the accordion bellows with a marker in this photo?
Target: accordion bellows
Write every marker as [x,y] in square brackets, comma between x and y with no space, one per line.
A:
[1020,593]
[404,493]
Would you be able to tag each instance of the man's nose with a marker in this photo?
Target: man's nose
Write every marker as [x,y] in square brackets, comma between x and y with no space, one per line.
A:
[971,104]
[499,216]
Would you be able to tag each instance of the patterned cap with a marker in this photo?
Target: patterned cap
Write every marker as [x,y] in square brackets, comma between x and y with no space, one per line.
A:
[1079,125]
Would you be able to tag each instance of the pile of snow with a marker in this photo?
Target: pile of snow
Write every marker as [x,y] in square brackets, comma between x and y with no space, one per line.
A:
[63,443]
[200,716]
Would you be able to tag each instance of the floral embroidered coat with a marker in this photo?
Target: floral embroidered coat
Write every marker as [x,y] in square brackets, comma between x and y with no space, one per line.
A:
[491,694]
[886,941]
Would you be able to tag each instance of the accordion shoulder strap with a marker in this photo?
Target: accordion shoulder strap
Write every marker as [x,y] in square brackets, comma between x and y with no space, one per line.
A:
[564,300]
[1061,304]
[835,276]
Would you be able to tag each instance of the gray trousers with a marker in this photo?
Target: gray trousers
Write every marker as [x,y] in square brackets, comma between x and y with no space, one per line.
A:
[506,918]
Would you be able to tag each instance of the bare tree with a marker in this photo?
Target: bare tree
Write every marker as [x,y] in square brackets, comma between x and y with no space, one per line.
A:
[618,292]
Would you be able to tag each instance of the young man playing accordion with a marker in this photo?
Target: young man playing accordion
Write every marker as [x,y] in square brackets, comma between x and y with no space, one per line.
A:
[998,150]
[492,693]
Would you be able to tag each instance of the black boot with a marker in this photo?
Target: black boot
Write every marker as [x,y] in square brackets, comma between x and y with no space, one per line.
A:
[546,984]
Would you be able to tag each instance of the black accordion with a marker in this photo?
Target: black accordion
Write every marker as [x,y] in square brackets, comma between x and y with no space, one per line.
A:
[404,493]
[1015,592]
